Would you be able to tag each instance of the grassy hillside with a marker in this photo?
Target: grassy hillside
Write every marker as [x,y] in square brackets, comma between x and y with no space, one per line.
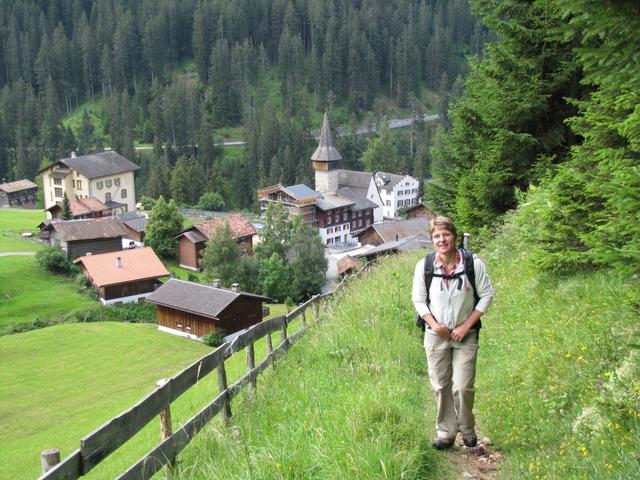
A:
[18,220]
[558,387]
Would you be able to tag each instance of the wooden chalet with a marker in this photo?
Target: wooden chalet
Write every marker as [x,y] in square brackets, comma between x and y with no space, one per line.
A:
[192,241]
[21,193]
[297,199]
[380,233]
[194,310]
[81,208]
[126,276]
[420,211]
[79,237]
[136,228]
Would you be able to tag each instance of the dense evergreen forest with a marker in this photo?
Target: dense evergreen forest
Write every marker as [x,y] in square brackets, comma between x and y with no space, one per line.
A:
[168,72]
[550,121]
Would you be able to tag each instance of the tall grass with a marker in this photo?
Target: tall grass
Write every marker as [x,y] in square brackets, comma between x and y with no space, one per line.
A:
[350,400]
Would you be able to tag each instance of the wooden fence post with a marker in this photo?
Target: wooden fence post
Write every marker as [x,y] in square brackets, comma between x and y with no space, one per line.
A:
[222,385]
[166,430]
[251,364]
[316,310]
[465,240]
[283,332]
[49,458]
[304,318]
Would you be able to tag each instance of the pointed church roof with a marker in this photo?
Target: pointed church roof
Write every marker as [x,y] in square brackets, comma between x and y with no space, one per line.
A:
[326,151]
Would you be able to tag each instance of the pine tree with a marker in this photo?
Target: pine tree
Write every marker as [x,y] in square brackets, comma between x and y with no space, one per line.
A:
[66,208]
[221,257]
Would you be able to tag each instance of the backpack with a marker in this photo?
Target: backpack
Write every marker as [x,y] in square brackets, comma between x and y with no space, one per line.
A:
[469,270]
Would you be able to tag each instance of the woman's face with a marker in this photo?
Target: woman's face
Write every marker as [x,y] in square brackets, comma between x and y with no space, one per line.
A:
[444,241]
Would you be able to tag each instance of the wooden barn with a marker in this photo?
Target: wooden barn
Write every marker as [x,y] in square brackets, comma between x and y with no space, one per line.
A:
[420,211]
[380,233]
[192,240]
[126,276]
[79,237]
[193,309]
[21,193]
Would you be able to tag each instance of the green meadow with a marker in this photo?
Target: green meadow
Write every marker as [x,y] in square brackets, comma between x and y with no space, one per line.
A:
[18,220]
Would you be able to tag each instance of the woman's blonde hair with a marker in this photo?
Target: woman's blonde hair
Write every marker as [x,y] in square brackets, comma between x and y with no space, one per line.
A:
[442,222]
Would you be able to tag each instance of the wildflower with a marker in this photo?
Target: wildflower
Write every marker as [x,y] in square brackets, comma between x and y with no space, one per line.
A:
[278,466]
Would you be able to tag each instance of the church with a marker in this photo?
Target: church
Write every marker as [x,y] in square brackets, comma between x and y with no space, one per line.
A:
[344,202]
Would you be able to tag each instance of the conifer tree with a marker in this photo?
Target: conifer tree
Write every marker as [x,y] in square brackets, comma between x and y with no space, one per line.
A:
[165,223]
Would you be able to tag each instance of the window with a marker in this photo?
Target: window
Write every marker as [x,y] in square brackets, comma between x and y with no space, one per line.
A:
[337,239]
[116,181]
[336,219]
[123,193]
[330,230]
[57,181]
[360,222]
[345,216]
[414,190]
[407,192]
[346,227]
[58,192]
[329,241]
[399,203]
[99,185]
[107,197]
[407,202]
[414,201]
[73,182]
[179,325]
[79,184]
[107,183]
[399,193]
[388,204]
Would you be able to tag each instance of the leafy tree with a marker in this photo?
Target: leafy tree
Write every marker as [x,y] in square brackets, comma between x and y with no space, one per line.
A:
[221,257]
[165,223]
[308,263]
[54,260]
[66,209]
[276,234]
[275,277]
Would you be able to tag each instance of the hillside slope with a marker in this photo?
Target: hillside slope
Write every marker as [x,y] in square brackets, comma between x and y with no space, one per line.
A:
[557,392]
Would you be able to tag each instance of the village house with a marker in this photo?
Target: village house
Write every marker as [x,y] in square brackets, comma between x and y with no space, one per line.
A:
[397,192]
[126,276]
[21,193]
[82,208]
[136,226]
[420,211]
[106,176]
[194,310]
[393,231]
[193,240]
[79,237]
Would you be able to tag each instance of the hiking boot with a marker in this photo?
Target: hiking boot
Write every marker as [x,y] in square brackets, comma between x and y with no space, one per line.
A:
[470,440]
[442,443]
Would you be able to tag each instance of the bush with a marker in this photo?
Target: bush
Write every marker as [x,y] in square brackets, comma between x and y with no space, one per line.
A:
[210,201]
[54,260]
[213,339]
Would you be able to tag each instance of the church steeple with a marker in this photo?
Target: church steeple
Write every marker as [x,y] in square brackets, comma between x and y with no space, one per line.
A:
[326,160]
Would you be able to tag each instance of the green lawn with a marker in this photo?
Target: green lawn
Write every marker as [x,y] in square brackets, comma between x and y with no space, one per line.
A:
[18,219]
[60,383]
[27,292]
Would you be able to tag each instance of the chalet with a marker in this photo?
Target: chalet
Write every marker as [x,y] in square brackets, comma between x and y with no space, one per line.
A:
[126,276]
[192,240]
[297,199]
[397,192]
[106,176]
[79,237]
[82,208]
[21,193]
[136,228]
[421,211]
[392,231]
[194,310]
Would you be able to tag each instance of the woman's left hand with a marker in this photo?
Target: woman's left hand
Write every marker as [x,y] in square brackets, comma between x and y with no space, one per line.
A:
[459,333]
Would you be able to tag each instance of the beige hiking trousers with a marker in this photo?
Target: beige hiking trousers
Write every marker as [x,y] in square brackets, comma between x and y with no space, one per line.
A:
[452,373]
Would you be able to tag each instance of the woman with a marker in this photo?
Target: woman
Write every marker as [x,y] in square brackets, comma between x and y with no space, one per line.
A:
[451,336]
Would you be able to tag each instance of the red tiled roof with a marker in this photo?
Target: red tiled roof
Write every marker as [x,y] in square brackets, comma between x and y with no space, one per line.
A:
[238,226]
[83,206]
[135,264]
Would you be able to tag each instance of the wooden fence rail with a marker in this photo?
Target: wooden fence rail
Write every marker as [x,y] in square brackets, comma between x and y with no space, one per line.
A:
[103,441]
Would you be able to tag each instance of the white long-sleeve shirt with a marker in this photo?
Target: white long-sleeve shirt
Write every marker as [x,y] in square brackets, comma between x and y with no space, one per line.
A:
[449,305]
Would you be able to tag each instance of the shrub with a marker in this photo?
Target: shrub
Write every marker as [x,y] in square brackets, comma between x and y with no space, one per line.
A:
[213,339]
[54,260]
[210,201]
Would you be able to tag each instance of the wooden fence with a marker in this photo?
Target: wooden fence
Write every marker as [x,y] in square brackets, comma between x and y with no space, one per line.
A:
[33,238]
[97,445]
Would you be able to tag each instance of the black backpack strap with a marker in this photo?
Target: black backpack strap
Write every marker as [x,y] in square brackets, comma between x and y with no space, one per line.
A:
[428,277]
[470,271]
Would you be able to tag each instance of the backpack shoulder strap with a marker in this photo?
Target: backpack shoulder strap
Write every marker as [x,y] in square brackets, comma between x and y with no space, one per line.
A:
[428,271]
[470,271]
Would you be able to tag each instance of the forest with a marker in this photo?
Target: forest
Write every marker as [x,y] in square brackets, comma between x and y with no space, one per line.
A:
[168,73]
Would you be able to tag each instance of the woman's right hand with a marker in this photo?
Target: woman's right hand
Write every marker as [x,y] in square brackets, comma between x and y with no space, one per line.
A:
[442,331]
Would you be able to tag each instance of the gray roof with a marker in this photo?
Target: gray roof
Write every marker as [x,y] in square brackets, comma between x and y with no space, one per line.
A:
[193,236]
[60,173]
[415,242]
[90,228]
[138,224]
[391,231]
[126,216]
[387,180]
[353,178]
[333,200]
[101,164]
[17,186]
[197,298]
[301,191]
[326,151]
[361,202]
